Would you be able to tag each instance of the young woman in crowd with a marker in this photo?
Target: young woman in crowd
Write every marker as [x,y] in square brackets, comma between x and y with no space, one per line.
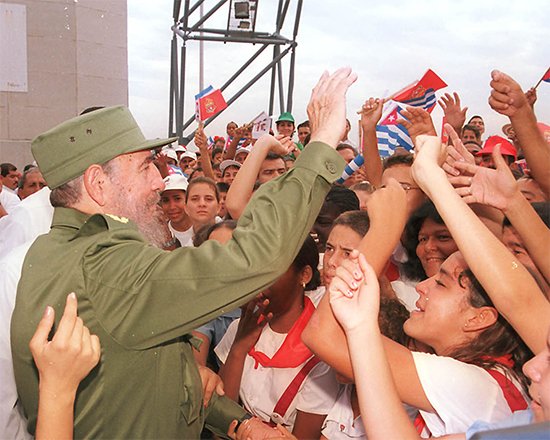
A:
[201,205]
[263,354]
[428,243]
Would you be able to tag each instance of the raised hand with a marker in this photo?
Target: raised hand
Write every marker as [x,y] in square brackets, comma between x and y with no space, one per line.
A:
[355,294]
[71,354]
[430,155]
[371,112]
[200,139]
[388,205]
[531,96]
[252,321]
[451,108]
[493,187]
[418,122]
[456,152]
[506,96]
[282,145]
[327,106]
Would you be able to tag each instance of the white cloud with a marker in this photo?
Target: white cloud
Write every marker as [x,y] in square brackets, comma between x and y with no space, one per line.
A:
[388,44]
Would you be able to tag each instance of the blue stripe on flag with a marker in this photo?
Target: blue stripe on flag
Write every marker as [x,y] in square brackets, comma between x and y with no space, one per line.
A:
[425,101]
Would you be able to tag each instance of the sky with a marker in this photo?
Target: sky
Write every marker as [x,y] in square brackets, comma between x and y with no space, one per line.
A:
[388,44]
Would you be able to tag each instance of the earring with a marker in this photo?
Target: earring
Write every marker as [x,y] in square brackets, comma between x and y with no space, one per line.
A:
[303,285]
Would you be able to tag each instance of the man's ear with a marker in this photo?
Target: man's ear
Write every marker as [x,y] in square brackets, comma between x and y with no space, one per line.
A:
[480,319]
[95,183]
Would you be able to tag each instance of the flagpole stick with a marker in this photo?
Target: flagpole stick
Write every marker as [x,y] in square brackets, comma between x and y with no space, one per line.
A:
[540,80]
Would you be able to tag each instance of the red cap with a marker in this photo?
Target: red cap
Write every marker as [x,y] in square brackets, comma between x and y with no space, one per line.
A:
[506,147]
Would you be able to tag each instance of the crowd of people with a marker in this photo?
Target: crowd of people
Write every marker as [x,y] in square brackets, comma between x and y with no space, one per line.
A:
[235,289]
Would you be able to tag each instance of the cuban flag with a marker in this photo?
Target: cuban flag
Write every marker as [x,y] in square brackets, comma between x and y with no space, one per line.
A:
[389,133]
[546,76]
[421,93]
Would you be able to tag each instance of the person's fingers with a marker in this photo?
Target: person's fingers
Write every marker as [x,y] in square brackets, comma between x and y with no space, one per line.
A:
[501,97]
[96,348]
[457,99]
[499,161]
[68,320]
[369,275]
[231,429]
[340,287]
[220,391]
[460,180]
[43,329]
[467,168]
[464,191]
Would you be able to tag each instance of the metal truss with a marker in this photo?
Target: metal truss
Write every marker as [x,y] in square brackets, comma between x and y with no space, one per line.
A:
[190,26]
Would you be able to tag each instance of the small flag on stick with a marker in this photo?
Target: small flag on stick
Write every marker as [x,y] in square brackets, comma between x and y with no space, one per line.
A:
[208,103]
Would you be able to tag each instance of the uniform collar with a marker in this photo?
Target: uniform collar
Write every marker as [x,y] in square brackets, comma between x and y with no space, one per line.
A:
[68,218]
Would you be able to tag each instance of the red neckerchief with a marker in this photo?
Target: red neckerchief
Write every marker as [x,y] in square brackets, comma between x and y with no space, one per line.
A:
[293,352]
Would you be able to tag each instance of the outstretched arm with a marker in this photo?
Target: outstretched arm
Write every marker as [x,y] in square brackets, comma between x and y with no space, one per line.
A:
[508,99]
[326,338]
[498,188]
[241,189]
[62,363]
[357,311]
[509,285]
[371,112]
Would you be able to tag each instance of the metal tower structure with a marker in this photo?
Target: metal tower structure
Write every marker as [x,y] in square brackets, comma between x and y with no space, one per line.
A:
[190,25]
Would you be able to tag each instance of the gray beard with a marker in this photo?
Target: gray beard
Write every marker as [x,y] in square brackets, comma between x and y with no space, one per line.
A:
[149,219]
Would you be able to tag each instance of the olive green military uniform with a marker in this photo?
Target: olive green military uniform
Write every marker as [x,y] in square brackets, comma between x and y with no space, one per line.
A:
[142,301]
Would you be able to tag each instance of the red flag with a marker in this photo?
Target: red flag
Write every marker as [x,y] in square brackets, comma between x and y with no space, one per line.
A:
[546,76]
[421,93]
[210,104]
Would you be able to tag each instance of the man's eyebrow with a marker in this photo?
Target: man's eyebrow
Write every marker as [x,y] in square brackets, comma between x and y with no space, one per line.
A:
[148,159]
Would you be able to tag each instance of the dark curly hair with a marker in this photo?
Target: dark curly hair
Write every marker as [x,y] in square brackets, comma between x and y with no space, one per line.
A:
[412,268]
[496,341]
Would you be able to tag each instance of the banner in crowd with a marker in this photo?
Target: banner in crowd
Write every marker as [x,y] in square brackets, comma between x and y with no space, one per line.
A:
[261,125]
[420,93]
[208,103]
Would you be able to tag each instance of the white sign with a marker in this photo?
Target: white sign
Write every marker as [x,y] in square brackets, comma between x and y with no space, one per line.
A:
[13,48]
[261,125]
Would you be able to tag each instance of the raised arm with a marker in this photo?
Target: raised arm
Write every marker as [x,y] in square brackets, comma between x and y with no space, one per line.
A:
[511,288]
[498,188]
[62,363]
[241,189]
[508,99]
[202,144]
[371,112]
[357,311]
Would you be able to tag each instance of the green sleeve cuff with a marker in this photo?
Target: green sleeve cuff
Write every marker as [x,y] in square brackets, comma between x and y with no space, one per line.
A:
[221,412]
[323,160]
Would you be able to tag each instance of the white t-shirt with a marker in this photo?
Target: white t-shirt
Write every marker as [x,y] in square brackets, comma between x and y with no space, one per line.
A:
[340,424]
[460,393]
[8,199]
[185,238]
[29,219]
[262,387]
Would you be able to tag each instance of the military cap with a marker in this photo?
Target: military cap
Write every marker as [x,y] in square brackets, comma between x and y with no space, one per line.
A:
[67,150]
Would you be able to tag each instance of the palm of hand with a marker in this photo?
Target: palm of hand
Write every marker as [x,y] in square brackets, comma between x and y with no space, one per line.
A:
[492,187]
